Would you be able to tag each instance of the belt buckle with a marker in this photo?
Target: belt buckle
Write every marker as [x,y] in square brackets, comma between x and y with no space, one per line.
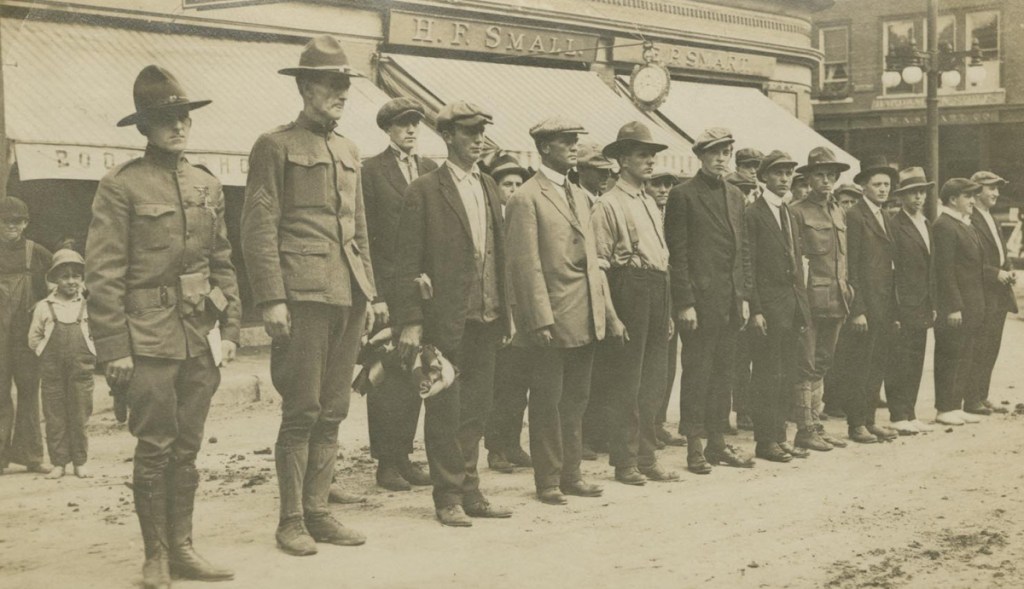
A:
[164,298]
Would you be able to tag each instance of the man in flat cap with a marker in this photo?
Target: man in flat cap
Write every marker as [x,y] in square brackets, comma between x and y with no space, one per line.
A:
[999,297]
[159,273]
[711,284]
[631,250]
[822,227]
[866,341]
[23,267]
[748,160]
[847,195]
[450,293]
[560,307]
[307,254]
[393,410]
[778,305]
[594,171]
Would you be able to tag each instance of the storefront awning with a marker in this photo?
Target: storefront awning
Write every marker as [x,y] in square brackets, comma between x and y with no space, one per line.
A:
[754,119]
[66,86]
[521,96]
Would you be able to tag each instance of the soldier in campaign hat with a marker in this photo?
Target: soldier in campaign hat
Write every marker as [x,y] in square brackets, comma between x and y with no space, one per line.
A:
[160,279]
[307,251]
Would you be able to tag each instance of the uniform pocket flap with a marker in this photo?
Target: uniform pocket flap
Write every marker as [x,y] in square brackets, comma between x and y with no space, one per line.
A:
[296,245]
[821,281]
[818,225]
[153,210]
[217,299]
[348,160]
[307,160]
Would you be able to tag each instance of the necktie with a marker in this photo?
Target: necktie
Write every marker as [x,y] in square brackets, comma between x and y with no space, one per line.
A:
[784,221]
[411,162]
[881,221]
[570,199]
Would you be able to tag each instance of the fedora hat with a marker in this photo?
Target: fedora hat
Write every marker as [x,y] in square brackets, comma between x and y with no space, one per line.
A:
[322,54]
[911,178]
[630,134]
[157,90]
[774,159]
[876,164]
[822,157]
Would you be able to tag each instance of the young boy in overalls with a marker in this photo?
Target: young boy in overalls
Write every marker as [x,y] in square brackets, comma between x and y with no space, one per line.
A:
[59,335]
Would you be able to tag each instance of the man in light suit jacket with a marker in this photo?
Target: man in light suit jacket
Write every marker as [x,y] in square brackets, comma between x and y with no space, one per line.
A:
[999,297]
[559,308]
[915,292]
[450,293]
[393,409]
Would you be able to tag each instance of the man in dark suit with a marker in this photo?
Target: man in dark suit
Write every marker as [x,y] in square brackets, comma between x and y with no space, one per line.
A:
[915,292]
[560,308]
[778,305]
[710,261]
[393,410]
[450,293]
[999,297]
[865,343]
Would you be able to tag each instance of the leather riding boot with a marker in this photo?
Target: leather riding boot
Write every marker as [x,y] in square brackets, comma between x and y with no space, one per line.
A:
[151,508]
[315,490]
[292,536]
[181,497]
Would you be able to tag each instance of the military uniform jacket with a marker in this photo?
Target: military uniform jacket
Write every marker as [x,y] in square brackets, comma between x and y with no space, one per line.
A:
[870,265]
[552,265]
[303,225]
[155,219]
[823,237]
[383,189]
[915,272]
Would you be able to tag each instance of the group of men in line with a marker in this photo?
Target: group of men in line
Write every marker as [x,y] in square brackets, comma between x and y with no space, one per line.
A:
[579,291]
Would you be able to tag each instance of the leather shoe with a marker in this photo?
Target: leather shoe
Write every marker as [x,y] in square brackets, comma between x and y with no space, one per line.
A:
[656,473]
[581,488]
[977,409]
[793,450]
[861,435]
[836,442]
[343,497]
[659,444]
[552,496]
[496,461]
[904,428]
[833,411]
[293,537]
[630,475]
[995,408]
[810,440]
[949,418]
[324,528]
[772,453]
[588,453]
[484,509]
[412,472]
[744,422]
[453,516]
[519,457]
[967,417]
[922,426]
[883,433]
[669,438]
[390,478]
[729,455]
[695,459]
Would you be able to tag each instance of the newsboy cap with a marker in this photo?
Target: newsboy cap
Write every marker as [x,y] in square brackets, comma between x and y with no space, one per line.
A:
[590,156]
[462,113]
[157,90]
[749,155]
[13,208]
[662,172]
[956,186]
[740,182]
[986,178]
[712,137]
[556,126]
[853,189]
[397,108]
[773,160]
[322,54]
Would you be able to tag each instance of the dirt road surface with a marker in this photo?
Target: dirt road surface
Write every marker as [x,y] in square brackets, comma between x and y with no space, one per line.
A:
[944,509]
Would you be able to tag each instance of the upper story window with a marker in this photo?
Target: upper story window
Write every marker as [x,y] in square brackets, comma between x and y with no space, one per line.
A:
[984,26]
[835,69]
[901,34]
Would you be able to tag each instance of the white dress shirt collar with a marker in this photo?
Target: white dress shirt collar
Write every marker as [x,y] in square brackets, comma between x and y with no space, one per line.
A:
[558,179]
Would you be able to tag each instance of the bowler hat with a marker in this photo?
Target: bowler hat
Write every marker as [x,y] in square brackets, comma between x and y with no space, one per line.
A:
[590,156]
[13,208]
[774,159]
[822,157]
[157,90]
[911,178]
[712,137]
[749,155]
[556,126]
[503,165]
[957,186]
[397,108]
[739,181]
[462,113]
[876,164]
[322,54]
[631,134]
[63,258]
[986,178]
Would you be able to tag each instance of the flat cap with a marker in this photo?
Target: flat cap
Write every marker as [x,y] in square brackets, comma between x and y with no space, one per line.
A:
[986,178]
[554,126]
[854,189]
[662,172]
[589,156]
[739,181]
[712,137]
[957,186]
[749,155]
[775,159]
[13,208]
[462,113]
[798,177]
[397,108]
[505,164]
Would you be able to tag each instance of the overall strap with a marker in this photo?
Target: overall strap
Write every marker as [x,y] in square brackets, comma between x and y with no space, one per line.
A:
[53,314]
[81,311]
[28,254]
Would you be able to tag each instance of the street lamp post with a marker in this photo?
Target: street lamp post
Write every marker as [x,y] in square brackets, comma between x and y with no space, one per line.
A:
[938,66]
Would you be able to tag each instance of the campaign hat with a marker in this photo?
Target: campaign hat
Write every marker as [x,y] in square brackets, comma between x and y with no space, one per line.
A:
[632,134]
[156,90]
[822,157]
[322,54]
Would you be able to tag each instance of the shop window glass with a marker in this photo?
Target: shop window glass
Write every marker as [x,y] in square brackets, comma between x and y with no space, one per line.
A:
[984,26]
[835,73]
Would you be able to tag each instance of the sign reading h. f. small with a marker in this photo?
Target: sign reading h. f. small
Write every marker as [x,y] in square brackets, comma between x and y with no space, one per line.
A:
[424,30]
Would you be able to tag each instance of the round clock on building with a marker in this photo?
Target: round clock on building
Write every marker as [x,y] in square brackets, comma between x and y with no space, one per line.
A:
[649,85]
